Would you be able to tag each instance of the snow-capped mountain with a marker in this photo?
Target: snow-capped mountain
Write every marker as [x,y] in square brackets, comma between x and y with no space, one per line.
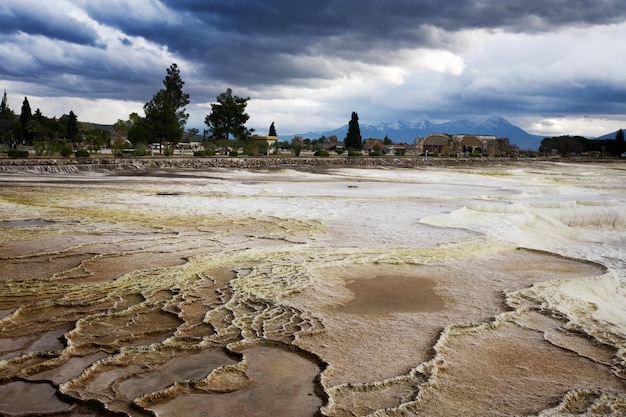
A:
[406,132]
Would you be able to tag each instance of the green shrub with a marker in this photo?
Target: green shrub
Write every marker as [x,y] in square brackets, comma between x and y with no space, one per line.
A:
[140,152]
[40,147]
[82,153]
[199,153]
[321,153]
[352,152]
[233,153]
[66,150]
[141,149]
[374,153]
[17,153]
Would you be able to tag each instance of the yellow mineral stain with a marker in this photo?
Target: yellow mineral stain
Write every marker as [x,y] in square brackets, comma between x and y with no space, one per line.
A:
[496,291]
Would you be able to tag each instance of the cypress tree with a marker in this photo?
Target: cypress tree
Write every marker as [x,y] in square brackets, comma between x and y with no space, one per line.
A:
[353,138]
[8,121]
[4,107]
[72,127]
[25,116]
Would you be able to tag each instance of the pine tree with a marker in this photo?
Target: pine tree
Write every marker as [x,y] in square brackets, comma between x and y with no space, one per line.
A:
[165,113]
[174,86]
[353,138]
[228,117]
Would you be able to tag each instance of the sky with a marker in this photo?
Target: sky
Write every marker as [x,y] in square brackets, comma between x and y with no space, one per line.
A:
[551,67]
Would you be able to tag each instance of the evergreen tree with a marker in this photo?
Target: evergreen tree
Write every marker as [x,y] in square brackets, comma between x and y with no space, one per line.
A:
[137,133]
[272,130]
[61,126]
[228,117]
[4,107]
[165,113]
[8,121]
[72,127]
[25,117]
[174,86]
[26,114]
[48,128]
[353,138]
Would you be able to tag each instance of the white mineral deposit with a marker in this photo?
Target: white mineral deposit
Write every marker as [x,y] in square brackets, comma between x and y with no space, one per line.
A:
[495,290]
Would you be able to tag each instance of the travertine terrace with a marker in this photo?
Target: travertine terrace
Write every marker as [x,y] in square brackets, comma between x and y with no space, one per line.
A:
[494,290]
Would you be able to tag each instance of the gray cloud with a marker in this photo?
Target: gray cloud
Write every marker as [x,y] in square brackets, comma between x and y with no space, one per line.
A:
[43,20]
[261,42]
[330,50]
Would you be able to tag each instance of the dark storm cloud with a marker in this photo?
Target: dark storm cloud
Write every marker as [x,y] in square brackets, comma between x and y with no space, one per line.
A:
[47,22]
[260,42]
[391,20]
[305,23]
[281,49]
[555,100]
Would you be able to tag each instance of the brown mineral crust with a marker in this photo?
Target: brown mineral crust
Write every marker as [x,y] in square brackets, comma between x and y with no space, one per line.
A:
[508,370]
[126,304]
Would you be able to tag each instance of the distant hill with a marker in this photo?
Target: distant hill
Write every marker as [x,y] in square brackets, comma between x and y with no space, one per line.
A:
[608,135]
[406,132]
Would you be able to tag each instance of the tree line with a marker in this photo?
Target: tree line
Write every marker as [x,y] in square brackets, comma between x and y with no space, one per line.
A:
[45,134]
[577,145]
[166,117]
[163,123]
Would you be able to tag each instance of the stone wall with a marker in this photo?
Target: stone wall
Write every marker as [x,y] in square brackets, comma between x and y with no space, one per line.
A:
[48,164]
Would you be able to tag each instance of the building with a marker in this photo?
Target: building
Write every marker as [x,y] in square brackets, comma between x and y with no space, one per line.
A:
[270,140]
[461,144]
[370,145]
[328,143]
[379,145]
[395,150]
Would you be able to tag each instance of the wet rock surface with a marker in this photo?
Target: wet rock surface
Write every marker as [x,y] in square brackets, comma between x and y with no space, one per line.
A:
[498,291]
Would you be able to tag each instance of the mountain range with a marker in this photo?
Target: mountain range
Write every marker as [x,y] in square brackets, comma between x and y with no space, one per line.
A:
[406,132]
